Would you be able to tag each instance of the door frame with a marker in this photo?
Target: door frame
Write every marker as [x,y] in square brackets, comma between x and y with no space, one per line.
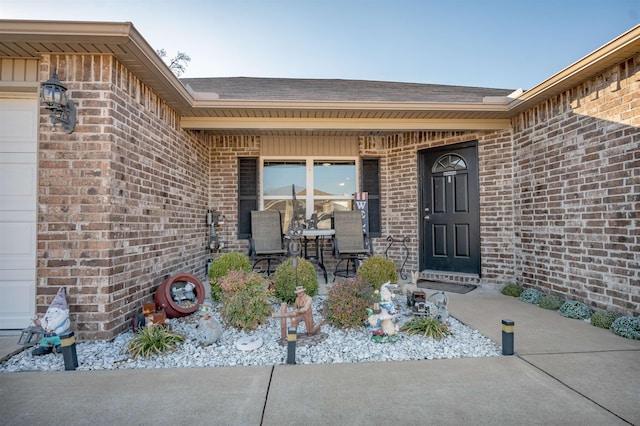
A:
[422,193]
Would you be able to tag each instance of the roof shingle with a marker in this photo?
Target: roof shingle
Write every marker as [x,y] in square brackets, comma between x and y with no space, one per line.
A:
[337,90]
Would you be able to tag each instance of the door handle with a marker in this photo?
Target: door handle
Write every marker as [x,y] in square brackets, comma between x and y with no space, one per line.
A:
[427,217]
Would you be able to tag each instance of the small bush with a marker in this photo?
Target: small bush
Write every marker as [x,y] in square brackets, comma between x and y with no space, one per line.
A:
[377,270]
[531,295]
[235,281]
[284,279]
[427,327]
[153,340]
[248,306]
[221,265]
[513,290]
[347,302]
[603,319]
[551,302]
[628,327]
[574,309]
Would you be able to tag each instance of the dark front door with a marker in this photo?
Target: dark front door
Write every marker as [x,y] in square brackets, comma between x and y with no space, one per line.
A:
[449,209]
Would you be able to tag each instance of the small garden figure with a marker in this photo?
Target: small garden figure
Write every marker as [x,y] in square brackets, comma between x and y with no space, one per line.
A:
[382,328]
[441,300]
[303,311]
[54,323]
[386,297]
[208,329]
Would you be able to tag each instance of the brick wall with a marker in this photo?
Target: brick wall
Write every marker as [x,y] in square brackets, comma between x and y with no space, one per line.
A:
[577,192]
[224,183]
[122,200]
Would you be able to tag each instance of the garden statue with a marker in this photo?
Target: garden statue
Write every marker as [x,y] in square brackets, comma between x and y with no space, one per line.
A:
[382,327]
[407,289]
[208,329]
[386,297]
[441,300]
[54,323]
[302,312]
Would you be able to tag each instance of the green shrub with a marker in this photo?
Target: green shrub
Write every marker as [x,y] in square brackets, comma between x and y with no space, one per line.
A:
[574,309]
[248,306]
[284,279]
[347,302]
[531,295]
[377,270]
[603,319]
[628,327]
[154,339]
[427,327]
[235,281]
[513,290]
[551,302]
[221,265]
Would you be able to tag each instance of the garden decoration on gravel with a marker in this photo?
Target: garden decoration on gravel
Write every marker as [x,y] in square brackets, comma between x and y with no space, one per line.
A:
[382,316]
[302,313]
[54,324]
[208,329]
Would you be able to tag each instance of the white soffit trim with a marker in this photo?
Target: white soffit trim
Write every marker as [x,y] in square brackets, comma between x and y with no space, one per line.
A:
[248,123]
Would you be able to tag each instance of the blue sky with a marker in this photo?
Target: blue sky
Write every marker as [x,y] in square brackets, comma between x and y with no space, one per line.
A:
[491,43]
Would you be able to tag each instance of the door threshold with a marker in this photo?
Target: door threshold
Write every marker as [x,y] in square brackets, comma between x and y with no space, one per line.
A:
[448,276]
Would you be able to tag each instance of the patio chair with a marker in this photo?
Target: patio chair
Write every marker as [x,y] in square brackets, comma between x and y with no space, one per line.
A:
[266,243]
[350,244]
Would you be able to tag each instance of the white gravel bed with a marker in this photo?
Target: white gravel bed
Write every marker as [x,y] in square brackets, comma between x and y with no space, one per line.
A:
[341,346]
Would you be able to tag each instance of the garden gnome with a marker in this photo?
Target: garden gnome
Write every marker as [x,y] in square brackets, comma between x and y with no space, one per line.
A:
[303,311]
[54,323]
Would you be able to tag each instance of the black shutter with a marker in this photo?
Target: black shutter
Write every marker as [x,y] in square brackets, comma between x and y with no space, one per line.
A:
[247,194]
[371,184]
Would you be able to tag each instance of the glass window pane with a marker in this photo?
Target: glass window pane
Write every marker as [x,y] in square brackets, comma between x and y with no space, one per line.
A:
[286,209]
[278,176]
[325,208]
[334,178]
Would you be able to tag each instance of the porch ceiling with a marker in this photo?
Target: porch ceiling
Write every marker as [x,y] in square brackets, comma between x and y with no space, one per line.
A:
[266,113]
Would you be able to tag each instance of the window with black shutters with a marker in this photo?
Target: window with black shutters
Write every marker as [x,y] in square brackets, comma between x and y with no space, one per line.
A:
[247,194]
[371,184]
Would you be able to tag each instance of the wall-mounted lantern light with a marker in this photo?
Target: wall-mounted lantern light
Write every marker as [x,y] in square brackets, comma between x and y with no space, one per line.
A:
[54,97]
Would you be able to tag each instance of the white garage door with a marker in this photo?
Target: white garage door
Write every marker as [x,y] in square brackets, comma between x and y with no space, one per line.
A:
[18,198]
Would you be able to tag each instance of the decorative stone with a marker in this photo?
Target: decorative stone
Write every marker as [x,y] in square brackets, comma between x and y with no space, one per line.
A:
[249,343]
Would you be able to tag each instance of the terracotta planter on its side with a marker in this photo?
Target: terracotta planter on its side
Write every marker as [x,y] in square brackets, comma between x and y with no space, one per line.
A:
[165,301]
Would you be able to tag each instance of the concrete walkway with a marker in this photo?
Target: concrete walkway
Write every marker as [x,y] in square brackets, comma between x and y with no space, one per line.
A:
[564,372]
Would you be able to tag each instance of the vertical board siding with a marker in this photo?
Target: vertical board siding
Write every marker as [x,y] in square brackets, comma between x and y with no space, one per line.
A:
[317,146]
[19,70]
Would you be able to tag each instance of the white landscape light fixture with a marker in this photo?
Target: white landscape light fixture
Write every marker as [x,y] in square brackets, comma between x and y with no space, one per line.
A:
[54,97]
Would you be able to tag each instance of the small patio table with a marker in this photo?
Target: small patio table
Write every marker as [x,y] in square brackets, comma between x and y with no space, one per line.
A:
[317,257]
